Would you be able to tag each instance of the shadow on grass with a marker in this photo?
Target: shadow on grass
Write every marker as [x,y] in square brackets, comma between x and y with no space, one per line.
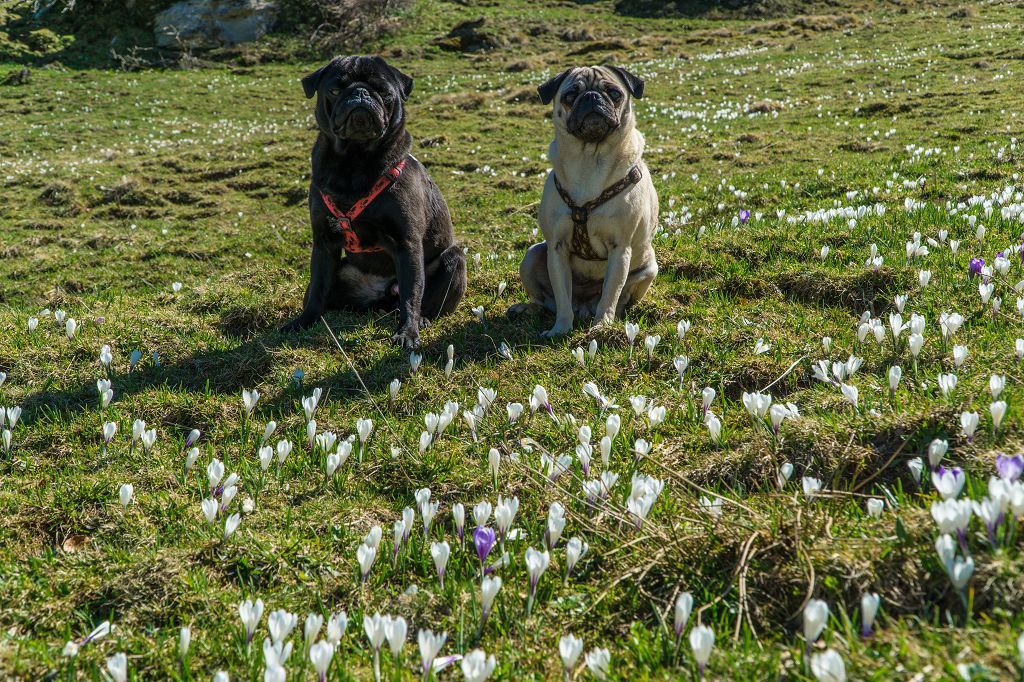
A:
[230,370]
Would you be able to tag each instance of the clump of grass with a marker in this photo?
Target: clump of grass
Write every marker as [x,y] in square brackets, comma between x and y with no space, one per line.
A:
[62,197]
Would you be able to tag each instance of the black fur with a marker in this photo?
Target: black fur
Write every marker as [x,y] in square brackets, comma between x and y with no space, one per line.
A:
[422,272]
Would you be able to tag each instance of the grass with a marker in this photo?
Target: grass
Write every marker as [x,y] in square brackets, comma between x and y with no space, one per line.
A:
[117,185]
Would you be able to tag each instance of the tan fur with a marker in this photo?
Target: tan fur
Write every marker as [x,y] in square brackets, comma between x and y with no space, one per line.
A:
[620,230]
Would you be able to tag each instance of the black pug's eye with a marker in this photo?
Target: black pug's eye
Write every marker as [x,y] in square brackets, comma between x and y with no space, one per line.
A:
[615,95]
[334,92]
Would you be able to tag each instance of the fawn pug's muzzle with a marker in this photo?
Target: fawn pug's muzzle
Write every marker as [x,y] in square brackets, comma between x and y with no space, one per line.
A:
[592,117]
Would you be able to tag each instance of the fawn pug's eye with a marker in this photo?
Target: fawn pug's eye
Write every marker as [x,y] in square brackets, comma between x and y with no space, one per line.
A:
[615,95]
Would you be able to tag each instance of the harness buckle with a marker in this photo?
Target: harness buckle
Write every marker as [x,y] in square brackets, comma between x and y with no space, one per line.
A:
[580,215]
[341,222]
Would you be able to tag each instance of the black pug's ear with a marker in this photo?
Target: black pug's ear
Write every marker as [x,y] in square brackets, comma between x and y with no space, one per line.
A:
[548,90]
[311,83]
[633,84]
[404,82]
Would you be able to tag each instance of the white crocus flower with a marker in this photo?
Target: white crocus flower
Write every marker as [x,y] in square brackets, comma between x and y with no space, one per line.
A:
[477,666]
[117,665]
[125,494]
[702,640]
[969,424]
[811,486]
[569,650]
[828,666]
[249,400]
[598,661]
[430,646]
[815,619]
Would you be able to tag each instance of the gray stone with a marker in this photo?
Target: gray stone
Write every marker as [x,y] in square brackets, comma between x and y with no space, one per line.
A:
[205,24]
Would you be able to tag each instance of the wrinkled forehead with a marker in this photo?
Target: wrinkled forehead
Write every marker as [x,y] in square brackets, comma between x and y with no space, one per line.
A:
[591,78]
[359,69]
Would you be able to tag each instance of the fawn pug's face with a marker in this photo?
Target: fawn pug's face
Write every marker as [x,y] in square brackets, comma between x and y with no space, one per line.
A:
[592,102]
[359,99]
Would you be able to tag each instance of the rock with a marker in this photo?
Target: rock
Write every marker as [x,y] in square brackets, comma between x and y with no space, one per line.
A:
[20,77]
[470,36]
[601,46]
[580,34]
[206,24]
[764,106]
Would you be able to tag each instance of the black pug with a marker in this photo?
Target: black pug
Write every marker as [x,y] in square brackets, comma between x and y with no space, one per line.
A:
[372,199]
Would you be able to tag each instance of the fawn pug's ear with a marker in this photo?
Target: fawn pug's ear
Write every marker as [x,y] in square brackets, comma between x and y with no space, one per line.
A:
[633,84]
[549,89]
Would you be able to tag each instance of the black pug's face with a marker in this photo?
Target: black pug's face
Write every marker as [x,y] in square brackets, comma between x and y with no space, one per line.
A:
[592,102]
[359,99]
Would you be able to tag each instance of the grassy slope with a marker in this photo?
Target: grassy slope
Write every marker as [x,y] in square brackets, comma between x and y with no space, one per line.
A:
[199,177]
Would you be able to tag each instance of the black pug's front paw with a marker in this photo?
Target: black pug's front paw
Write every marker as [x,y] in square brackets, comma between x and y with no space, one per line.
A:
[408,337]
[300,323]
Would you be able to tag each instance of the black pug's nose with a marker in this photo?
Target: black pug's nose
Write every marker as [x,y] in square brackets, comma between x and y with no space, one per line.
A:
[360,102]
[360,115]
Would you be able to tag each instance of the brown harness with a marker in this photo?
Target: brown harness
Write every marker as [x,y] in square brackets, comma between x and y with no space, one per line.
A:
[581,246]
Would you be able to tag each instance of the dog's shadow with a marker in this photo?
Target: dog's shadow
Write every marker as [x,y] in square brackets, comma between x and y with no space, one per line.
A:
[229,370]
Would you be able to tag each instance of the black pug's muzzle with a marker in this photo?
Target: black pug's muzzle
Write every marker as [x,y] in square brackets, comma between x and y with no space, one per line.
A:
[592,117]
[360,117]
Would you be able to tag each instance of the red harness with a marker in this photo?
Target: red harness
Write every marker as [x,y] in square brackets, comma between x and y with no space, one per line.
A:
[344,219]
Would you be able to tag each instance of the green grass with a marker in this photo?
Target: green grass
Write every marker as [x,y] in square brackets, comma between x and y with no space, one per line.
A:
[116,185]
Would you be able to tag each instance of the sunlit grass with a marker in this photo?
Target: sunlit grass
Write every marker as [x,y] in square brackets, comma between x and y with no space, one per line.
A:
[118,185]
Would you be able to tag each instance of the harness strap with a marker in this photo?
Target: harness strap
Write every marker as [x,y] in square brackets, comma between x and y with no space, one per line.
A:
[343,219]
[581,246]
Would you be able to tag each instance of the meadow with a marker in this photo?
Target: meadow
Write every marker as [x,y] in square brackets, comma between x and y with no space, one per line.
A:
[814,414]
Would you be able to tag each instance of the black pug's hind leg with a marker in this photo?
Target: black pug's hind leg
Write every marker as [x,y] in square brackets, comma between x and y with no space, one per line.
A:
[445,283]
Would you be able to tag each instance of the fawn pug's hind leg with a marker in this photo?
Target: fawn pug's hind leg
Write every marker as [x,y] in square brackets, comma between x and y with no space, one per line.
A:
[533,271]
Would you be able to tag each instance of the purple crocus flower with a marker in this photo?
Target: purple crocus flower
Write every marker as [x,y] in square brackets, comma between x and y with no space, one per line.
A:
[444,661]
[975,267]
[1010,467]
[744,216]
[483,540]
[948,481]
